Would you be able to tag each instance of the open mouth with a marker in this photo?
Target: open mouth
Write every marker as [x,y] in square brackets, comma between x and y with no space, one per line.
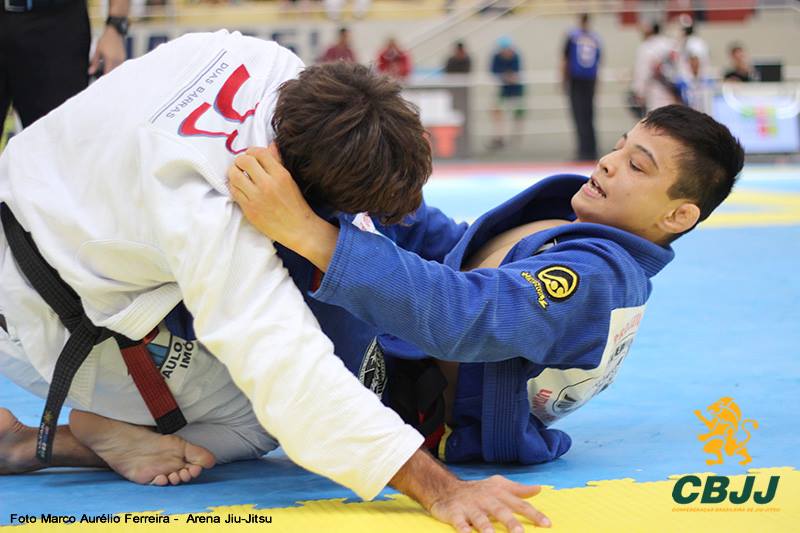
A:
[596,188]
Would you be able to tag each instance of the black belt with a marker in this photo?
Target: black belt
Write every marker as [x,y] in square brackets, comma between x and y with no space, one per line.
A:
[84,335]
[416,393]
[23,6]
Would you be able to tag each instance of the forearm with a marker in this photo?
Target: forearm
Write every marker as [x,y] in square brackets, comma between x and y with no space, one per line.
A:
[316,242]
[448,314]
[118,8]
[251,316]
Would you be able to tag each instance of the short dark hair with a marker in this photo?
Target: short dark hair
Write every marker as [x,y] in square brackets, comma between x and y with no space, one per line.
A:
[711,160]
[351,142]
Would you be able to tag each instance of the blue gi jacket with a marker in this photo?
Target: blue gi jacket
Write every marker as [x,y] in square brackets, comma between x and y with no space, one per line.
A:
[537,337]
[429,233]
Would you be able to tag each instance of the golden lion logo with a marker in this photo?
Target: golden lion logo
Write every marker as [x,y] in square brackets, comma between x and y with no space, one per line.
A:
[725,422]
[559,281]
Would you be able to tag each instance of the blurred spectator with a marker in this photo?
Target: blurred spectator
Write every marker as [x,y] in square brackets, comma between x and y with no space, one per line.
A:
[340,50]
[579,75]
[333,8]
[698,88]
[44,52]
[459,62]
[656,71]
[692,45]
[740,68]
[393,61]
[506,65]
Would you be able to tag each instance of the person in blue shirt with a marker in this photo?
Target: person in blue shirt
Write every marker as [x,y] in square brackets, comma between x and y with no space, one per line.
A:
[506,66]
[502,328]
[579,67]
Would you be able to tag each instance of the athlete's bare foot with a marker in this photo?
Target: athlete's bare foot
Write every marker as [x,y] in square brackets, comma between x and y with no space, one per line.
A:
[17,445]
[139,454]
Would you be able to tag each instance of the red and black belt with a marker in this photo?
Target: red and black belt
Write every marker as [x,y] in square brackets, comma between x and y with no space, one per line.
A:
[84,335]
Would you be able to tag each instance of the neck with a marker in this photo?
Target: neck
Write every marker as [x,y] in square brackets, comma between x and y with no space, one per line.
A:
[653,235]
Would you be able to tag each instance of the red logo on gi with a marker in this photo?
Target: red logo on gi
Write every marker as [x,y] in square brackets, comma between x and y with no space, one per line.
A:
[223,105]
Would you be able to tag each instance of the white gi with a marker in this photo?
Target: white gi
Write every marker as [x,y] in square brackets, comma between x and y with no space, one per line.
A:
[123,188]
[652,52]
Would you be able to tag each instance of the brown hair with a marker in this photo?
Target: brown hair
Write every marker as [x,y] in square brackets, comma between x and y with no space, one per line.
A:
[351,142]
[712,157]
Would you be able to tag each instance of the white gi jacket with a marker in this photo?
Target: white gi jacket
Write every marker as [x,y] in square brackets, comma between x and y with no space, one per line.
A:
[649,55]
[123,188]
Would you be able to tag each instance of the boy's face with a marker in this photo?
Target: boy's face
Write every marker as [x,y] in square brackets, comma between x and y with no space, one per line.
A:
[628,188]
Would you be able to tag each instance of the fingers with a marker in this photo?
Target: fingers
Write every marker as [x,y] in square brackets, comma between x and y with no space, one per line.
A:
[241,184]
[527,510]
[270,160]
[502,513]
[515,497]
[254,172]
[461,524]
[479,521]
[94,63]
[524,491]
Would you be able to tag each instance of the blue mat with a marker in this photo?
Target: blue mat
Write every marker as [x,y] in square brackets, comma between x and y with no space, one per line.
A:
[724,320]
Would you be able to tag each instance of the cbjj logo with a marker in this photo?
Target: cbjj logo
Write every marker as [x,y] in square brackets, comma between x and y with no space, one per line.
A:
[725,422]
[687,490]
[723,428]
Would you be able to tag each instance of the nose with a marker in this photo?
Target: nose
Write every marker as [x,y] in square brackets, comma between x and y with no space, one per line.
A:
[607,164]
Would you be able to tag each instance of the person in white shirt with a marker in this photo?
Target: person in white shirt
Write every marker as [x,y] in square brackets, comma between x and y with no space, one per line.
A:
[655,69]
[123,189]
[694,46]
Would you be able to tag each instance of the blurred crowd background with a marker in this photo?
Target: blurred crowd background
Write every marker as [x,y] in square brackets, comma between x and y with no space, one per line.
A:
[514,80]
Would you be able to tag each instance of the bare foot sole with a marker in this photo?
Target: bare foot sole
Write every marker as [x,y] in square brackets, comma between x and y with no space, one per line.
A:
[138,453]
[17,445]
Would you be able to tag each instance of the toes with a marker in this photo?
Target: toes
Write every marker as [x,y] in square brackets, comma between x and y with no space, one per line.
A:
[184,474]
[174,478]
[194,470]
[160,480]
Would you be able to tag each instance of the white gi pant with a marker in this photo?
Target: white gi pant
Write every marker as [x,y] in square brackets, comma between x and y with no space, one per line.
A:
[221,421]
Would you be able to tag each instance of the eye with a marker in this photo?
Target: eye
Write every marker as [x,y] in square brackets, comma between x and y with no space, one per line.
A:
[634,167]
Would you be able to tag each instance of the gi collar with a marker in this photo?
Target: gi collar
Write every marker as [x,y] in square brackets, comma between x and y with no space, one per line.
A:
[549,199]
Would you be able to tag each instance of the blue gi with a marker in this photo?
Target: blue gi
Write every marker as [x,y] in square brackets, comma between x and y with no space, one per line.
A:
[537,337]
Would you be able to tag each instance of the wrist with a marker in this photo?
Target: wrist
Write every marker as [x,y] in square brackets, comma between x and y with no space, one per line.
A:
[424,479]
[317,242]
[119,23]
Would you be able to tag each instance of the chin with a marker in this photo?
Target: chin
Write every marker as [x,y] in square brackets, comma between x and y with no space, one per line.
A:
[582,211]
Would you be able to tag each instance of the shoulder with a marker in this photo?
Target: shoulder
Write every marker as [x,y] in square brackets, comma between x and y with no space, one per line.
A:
[601,257]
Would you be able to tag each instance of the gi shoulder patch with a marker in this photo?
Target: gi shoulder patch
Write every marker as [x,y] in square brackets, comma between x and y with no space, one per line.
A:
[559,281]
[372,373]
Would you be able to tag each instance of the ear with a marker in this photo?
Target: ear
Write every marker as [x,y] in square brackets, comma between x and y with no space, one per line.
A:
[680,219]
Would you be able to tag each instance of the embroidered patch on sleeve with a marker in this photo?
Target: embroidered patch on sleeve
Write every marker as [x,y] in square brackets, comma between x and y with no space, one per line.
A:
[540,297]
[559,281]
